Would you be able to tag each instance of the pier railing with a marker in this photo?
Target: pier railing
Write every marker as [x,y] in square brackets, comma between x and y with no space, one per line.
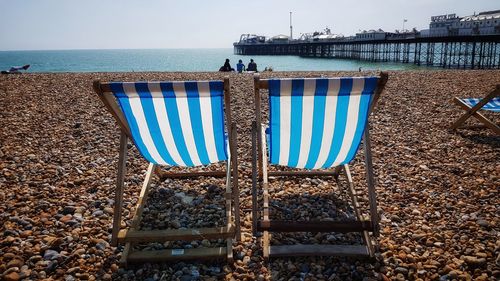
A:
[468,52]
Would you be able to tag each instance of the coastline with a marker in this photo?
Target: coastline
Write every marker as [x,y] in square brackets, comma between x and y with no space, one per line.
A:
[437,190]
[173,60]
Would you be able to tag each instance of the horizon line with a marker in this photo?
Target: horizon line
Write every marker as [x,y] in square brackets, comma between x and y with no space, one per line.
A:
[110,49]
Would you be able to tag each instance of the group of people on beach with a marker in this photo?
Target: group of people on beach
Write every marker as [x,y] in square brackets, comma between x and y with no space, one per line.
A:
[240,67]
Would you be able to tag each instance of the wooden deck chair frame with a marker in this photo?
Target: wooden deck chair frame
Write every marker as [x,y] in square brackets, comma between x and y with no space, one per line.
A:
[133,235]
[474,111]
[262,222]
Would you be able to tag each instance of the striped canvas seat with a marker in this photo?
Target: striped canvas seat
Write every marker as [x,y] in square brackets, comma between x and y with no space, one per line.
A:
[318,123]
[175,123]
[492,105]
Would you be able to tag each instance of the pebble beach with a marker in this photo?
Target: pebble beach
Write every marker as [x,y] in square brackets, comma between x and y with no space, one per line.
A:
[437,190]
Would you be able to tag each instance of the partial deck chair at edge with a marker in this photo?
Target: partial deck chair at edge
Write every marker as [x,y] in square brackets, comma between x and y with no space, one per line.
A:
[314,123]
[490,102]
[174,124]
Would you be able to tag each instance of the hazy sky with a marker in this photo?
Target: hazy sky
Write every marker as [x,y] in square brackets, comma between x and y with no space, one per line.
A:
[129,24]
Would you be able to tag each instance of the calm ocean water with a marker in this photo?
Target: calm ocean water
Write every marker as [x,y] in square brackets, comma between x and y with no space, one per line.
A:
[172,60]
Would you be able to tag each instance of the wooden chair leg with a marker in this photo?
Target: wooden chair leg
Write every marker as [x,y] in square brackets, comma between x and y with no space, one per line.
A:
[229,207]
[232,190]
[235,189]
[257,102]
[265,189]
[355,203]
[352,192]
[229,249]
[487,123]
[372,196]
[122,167]
[255,216]
[265,245]
[136,219]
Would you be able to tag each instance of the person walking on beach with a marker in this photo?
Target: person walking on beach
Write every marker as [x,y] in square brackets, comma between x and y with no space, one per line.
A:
[240,67]
[252,66]
[226,67]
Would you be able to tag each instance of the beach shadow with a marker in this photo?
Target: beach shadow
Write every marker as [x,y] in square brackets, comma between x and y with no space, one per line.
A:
[321,268]
[481,138]
[306,199]
[178,203]
[328,206]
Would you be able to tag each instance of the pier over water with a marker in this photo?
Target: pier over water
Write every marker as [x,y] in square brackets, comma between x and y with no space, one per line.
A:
[468,52]
[469,42]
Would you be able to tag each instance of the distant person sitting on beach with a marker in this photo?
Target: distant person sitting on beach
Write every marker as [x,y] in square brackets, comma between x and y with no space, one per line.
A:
[226,67]
[252,66]
[16,69]
[240,67]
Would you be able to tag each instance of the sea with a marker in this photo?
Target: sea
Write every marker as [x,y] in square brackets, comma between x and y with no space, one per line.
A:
[183,60]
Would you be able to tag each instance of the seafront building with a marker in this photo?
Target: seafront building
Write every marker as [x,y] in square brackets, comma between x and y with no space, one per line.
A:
[484,23]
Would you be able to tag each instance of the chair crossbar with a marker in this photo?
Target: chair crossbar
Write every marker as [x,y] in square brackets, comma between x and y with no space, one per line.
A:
[314,226]
[172,175]
[126,235]
[177,255]
[318,250]
[303,174]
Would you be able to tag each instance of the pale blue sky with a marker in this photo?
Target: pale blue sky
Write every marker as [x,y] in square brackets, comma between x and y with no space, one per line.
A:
[128,24]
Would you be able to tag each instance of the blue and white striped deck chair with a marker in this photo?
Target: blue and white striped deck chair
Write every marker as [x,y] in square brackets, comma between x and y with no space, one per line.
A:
[174,124]
[317,125]
[472,105]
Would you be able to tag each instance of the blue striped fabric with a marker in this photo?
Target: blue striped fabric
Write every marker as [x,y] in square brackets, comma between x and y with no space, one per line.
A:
[492,105]
[317,122]
[175,123]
